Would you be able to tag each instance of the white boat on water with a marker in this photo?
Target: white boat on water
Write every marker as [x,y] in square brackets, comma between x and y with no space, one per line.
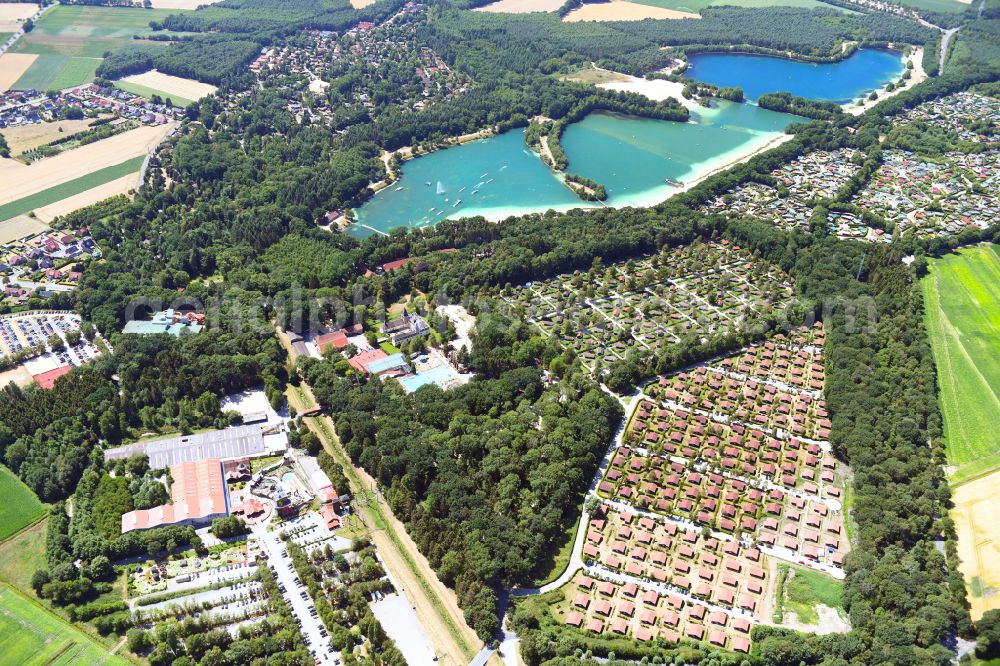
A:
[399,189]
[503,167]
[485,174]
[463,189]
[490,181]
[456,203]
[475,191]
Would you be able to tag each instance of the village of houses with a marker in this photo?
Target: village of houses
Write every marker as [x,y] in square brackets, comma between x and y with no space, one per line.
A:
[723,472]
[357,59]
[938,195]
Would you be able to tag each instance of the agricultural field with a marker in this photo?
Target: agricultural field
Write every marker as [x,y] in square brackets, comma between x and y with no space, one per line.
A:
[71,40]
[962,312]
[12,16]
[620,10]
[27,137]
[31,635]
[937,5]
[976,504]
[180,91]
[650,303]
[697,5]
[12,66]
[75,171]
[78,186]
[50,71]
[19,507]
[522,6]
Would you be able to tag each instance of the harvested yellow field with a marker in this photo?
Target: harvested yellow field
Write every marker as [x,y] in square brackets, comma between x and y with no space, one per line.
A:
[73,164]
[12,15]
[976,505]
[100,193]
[361,4]
[27,137]
[12,66]
[20,227]
[172,85]
[522,6]
[181,4]
[617,10]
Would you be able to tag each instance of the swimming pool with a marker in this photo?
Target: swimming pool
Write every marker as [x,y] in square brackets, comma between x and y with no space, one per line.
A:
[440,375]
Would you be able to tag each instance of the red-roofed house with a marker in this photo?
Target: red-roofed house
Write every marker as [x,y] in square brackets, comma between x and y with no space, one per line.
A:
[48,379]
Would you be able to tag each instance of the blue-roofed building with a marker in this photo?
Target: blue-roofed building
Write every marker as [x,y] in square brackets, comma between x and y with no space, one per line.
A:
[393,362]
[169,322]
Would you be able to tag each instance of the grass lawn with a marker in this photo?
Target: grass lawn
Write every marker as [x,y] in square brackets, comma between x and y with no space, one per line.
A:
[71,188]
[148,92]
[31,635]
[807,588]
[695,5]
[21,555]
[19,507]
[935,5]
[962,314]
[388,348]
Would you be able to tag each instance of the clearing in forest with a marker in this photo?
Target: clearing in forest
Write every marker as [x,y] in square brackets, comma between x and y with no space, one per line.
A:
[698,5]
[619,10]
[180,91]
[521,6]
[962,314]
[976,504]
[181,4]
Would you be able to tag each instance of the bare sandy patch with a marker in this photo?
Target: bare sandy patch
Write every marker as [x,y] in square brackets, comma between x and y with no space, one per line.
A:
[18,375]
[976,504]
[27,137]
[12,15]
[83,199]
[18,227]
[617,10]
[521,6]
[655,89]
[361,4]
[172,85]
[181,4]
[12,66]
[917,75]
[72,164]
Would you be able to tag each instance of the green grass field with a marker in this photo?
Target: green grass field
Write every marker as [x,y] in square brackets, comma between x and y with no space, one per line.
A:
[22,555]
[57,72]
[31,635]
[148,92]
[19,507]
[73,187]
[936,5]
[962,314]
[806,589]
[696,5]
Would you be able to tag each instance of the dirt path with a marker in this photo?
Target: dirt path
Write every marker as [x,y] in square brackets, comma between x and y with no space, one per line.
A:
[436,606]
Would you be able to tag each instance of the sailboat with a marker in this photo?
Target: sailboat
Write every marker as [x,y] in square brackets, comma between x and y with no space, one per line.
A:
[440,187]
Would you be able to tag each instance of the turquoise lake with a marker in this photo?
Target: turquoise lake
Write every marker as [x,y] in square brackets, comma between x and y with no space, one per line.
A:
[632,157]
[841,82]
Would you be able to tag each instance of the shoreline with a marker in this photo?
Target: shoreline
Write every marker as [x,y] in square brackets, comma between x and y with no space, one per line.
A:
[917,76]
[646,199]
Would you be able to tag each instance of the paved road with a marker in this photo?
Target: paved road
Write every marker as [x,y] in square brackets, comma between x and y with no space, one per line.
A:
[301,608]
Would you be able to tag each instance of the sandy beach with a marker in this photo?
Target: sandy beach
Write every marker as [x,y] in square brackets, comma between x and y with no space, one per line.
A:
[917,75]
[655,89]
